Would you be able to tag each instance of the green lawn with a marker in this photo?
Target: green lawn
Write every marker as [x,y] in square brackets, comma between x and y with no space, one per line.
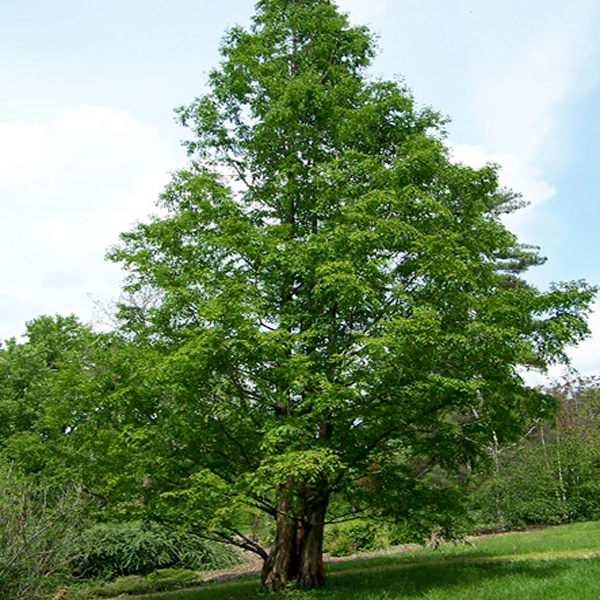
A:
[550,564]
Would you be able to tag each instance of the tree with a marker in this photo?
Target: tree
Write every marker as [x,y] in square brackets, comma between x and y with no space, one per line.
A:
[30,414]
[57,425]
[338,308]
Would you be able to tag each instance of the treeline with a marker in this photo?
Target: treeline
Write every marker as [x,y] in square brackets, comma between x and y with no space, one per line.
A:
[73,449]
[553,474]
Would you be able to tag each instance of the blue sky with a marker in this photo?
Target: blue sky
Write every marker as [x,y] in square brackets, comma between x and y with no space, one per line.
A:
[87,134]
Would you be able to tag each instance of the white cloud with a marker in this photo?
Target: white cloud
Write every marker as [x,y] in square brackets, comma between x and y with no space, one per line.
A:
[516,171]
[518,118]
[68,186]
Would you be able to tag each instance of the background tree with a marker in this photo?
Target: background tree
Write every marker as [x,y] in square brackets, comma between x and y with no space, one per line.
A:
[57,421]
[553,474]
[339,307]
[31,414]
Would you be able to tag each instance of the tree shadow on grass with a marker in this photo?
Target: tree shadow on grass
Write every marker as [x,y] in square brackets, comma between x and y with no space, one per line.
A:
[452,580]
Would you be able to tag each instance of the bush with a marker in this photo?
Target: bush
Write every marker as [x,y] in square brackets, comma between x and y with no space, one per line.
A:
[111,550]
[361,535]
[38,525]
[163,580]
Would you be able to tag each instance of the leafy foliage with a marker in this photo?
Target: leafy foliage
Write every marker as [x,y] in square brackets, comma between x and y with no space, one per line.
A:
[162,580]
[42,401]
[355,536]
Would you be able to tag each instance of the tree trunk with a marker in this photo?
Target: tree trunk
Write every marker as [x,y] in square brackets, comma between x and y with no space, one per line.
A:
[297,552]
[281,565]
[311,573]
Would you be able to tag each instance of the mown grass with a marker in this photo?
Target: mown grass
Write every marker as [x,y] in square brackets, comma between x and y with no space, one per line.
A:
[548,564]
[577,540]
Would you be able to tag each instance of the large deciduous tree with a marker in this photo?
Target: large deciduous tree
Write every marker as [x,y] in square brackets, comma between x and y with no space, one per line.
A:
[336,306]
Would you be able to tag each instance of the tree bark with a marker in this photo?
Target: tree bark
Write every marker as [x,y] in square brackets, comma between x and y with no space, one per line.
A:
[311,573]
[281,565]
[297,552]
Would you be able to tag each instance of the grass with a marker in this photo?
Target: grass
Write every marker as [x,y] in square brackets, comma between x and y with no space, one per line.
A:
[577,540]
[161,580]
[557,563]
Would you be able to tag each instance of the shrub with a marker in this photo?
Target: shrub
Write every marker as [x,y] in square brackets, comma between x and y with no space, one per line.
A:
[361,535]
[38,525]
[136,548]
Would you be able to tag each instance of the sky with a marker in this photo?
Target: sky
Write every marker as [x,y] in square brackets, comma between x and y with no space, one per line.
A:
[88,135]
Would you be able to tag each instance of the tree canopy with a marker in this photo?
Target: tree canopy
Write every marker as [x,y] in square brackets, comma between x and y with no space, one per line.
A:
[330,304]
